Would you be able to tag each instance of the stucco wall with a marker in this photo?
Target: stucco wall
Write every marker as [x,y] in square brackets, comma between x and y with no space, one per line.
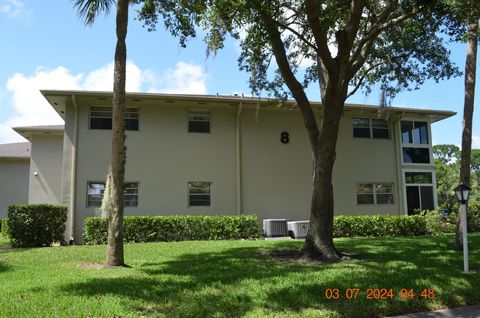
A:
[163,157]
[46,169]
[276,178]
[14,185]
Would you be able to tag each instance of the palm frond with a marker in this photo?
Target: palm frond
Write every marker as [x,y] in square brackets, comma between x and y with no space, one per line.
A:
[90,9]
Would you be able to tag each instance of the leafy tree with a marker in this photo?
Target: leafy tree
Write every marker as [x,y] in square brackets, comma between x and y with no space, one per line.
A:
[475,166]
[465,15]
[446,158]
[90,9]
[349,45]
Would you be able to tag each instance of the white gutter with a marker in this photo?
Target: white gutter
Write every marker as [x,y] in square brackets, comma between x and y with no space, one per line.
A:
[73,170]
[239,158]
[398,159]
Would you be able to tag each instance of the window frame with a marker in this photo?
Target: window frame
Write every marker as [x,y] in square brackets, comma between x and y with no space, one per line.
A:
[87,203]
[199,110]
[210,183]
[128,110]
[375,193]
[371,128]
[427,146]
[432,184]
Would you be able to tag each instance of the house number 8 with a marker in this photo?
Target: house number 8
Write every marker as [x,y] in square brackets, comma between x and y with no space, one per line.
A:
[284,137]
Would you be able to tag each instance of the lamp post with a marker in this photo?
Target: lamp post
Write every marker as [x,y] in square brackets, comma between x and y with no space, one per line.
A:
[463,191]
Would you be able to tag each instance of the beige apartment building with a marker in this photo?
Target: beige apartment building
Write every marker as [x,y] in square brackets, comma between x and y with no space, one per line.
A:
[208,155]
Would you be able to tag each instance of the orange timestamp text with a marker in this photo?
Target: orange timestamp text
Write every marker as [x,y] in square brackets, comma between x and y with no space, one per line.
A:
[379,293]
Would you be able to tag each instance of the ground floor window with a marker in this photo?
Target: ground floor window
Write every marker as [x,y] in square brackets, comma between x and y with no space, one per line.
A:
[199,193]
[374,193]
[95,192]
[419,191]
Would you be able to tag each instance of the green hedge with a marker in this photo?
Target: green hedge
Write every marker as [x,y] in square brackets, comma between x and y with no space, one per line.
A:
[36,225]
[175,228]
[384,225]
[4,227]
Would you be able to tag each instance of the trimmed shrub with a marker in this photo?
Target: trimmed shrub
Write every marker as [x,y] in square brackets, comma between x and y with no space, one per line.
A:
[174,228]
[35,225]
[4,227]
[380,226]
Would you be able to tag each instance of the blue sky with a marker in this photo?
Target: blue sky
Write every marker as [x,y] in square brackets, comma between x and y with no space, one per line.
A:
[47,46]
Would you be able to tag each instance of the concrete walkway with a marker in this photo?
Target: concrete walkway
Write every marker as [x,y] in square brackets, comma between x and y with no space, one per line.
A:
[459,312]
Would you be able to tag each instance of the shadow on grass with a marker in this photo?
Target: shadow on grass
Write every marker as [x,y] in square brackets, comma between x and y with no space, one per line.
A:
[236,281]
[4,267]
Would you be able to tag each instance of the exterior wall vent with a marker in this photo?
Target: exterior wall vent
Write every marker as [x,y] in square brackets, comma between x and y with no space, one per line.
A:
[298,229]
[275,227]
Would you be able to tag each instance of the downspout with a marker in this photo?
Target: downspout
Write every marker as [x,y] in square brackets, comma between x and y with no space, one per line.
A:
[398,159]
[73,170]
[239,158]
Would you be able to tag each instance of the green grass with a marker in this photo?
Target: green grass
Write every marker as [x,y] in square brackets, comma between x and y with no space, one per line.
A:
[4,241]
[233,279]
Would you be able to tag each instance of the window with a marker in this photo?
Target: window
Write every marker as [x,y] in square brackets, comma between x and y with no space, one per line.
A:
[374,193]
[101,118]
[370,128]
[130,194]
[96,189]
[418,177]
[415,140]
[199,193]
[361,127]
[419,191]
[414,132]
[95,193]
[379,128]
[199,121]
[416,155]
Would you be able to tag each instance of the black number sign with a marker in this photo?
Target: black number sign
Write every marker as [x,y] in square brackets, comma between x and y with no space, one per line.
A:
[284,137]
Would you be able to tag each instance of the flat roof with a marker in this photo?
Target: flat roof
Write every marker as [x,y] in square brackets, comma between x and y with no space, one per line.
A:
[17,150]
[28,131]
[58,99]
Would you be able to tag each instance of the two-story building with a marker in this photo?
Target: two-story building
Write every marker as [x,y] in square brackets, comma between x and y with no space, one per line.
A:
[198,154]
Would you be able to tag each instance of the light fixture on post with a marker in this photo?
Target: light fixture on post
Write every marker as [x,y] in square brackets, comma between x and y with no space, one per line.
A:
[463,192]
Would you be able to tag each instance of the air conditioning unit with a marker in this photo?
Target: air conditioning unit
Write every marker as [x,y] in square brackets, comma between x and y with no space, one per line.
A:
[298,229]
[275,227]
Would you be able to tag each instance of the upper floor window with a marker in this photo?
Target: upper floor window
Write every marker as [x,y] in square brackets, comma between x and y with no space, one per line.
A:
[96,190]
[370,128]
[414,132]
[199,193]
[415,140]
[101,118]
[199,121]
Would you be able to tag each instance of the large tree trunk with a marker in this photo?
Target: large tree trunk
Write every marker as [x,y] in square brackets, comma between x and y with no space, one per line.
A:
[115,255]
[470,73]
[319,241]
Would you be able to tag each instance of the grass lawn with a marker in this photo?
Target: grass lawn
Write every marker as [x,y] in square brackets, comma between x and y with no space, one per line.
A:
[4,241]
[234,279]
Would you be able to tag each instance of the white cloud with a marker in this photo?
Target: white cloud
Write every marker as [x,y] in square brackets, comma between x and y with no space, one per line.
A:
[185,78]
[14,9]
[475,142]
[29,107]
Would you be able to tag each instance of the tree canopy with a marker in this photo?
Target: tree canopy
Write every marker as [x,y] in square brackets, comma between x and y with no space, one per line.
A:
[342,46]
[397,44]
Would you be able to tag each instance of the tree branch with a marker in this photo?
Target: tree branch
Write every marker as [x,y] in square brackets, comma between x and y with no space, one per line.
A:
[351,28]
[360,81]
[278,49]
[366,43]
[312,8]
[300,36]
